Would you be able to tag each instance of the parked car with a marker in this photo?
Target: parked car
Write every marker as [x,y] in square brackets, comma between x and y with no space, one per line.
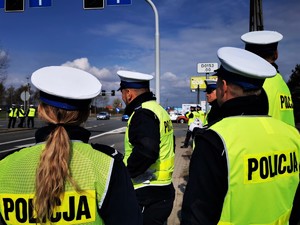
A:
[125,117]
[178,117]
[103,116]
[182,119]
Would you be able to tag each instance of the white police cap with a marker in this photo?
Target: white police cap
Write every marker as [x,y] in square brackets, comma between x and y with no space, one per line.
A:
[211,84]
[263,37]
[244,68]
[65,87]
[135,80]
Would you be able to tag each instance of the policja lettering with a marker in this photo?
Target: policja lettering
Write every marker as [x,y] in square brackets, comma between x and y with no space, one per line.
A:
[286,102]
[261,168]
[74,209]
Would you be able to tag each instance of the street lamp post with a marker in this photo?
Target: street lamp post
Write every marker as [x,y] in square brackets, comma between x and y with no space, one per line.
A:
[157,62]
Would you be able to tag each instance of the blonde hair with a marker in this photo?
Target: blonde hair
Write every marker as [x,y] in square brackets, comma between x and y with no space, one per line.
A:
[53,170]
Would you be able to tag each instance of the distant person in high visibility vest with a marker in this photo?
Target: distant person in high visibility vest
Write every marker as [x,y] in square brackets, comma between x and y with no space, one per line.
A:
[30,116]
[264,43]
[21,115]
[245,167]
[12,116]
[191,115]
[200,114]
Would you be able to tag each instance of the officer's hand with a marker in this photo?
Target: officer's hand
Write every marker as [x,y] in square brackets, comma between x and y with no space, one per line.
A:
[197,123]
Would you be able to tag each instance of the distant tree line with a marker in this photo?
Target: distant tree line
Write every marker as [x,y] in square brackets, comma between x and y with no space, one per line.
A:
[294,86]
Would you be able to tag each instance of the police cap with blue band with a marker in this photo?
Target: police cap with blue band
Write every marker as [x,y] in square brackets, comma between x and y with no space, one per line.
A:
[66,87]
[133,80]
[262,43]
[243,68]
[211,85]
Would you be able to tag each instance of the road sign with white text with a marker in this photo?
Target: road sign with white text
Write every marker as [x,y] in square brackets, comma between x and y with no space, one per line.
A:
[118,2]
[40,3]
[207,67]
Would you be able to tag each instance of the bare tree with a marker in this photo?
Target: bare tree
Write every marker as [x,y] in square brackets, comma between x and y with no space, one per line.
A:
[4,63]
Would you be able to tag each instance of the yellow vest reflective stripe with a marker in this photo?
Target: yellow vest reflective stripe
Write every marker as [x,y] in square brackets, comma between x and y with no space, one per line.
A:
[31,112]
[75,207]
[260,169]
[162,169]
[13,112]
[280,99]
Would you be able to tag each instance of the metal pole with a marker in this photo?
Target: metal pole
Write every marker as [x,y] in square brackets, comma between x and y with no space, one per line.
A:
[157,62]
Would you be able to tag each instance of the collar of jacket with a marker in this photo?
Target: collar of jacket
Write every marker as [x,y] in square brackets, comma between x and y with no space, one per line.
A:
[74,132]
[137,102]
[247,105]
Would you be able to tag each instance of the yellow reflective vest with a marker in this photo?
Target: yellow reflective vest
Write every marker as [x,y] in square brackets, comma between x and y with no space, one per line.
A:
[21,113]
[31,112]
[280,99]
[13,112]
[17,188]
[161,171]
[263,169]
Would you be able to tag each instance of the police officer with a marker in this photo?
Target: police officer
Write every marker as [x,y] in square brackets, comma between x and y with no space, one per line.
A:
[191,115]
[264,44]
[12,116]
[21,115]
[62,179]
[30,116]
[238,174]
[149,147]
[211,97]
[199,113]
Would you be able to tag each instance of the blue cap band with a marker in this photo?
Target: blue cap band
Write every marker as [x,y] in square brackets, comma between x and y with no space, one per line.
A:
[64,103]
[246,83]
[135,85]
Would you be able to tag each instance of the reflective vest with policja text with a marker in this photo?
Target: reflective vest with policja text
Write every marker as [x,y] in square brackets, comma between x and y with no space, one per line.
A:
[280,99]
[159,173]
[263,169]
[16,196]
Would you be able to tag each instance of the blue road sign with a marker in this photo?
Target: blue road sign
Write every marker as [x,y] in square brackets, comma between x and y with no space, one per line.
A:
[118,2]
[1,4]
[39,3]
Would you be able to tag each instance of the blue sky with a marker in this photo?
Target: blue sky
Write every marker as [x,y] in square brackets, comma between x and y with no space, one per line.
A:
[123,37]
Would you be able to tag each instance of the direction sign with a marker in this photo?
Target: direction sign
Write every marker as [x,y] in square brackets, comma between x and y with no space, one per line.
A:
[39,3]
[207,67]
[197,81]
[118,2]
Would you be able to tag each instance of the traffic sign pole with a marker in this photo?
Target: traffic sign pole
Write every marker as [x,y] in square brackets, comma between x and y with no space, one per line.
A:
[157,53]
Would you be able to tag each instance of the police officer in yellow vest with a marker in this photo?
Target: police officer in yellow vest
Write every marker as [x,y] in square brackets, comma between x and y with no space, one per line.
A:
[149,147]
[191,115]
[30,116]
[264,44]
[12,116]
[63,179]
[199,113]
[21,115]
[245,167]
